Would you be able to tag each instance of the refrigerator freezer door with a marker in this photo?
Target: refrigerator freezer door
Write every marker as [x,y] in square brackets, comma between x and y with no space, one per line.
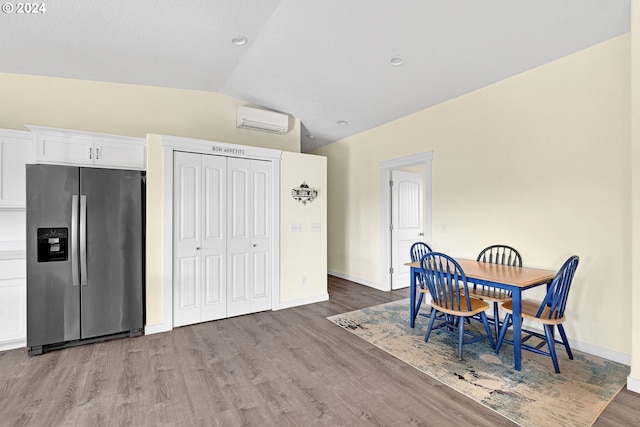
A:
[53,303]
[112,282]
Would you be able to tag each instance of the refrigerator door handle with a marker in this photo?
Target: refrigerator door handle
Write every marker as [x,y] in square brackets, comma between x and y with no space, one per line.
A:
[84,279]
[75,274]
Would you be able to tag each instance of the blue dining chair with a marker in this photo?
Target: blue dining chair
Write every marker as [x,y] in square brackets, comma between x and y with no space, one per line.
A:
[417,251]
[550,313]
[447,284]
[496,254]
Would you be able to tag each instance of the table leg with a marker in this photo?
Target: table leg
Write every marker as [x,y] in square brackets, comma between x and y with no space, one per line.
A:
[516,296]
[412,298]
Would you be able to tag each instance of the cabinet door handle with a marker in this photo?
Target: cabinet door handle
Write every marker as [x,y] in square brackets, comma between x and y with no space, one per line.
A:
[97,154]
[90,154]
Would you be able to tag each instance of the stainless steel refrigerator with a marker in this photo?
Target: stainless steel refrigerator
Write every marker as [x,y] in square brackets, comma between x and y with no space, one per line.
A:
[85,255]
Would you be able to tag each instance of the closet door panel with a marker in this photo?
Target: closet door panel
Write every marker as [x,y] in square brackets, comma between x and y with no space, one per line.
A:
[261,235]
[214,246]
[189,205]
[189,294]
[214,288]
[239,200]
[260,278]
[261,198]
[239,270]
[239,242]
[187,241]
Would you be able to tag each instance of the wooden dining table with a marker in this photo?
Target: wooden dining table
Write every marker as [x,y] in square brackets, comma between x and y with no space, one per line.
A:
[514,279]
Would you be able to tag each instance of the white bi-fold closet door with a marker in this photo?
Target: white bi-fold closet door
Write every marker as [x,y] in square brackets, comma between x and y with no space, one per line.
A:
[222,237]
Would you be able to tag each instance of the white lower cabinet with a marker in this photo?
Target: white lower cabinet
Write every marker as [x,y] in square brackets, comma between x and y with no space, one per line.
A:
[13,303]
[222,237]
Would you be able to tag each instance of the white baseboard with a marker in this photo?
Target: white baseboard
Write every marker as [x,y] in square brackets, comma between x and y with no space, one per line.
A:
[633,384]
[302,301]
[11,345]
[157,328]
[368,283]
[605,353]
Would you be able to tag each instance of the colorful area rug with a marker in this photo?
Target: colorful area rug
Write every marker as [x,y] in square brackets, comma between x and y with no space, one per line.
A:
[535,396]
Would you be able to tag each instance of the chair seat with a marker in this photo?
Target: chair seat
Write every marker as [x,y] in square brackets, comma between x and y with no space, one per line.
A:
[477,306]
[529,311]
[490,294]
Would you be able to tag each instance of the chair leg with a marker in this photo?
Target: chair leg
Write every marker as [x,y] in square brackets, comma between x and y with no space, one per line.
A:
[432,318]
[565,341]
[420,296]
[460,337]
[503,331]
[483,316]
[548,333]
[496,321]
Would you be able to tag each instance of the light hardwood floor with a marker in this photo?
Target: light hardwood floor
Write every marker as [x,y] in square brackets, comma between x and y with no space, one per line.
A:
[285,368]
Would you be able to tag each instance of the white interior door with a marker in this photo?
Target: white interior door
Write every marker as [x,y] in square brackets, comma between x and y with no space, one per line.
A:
[261,231]
[200,192]
[214,241]
[407,214]
[249,237]
[187,217]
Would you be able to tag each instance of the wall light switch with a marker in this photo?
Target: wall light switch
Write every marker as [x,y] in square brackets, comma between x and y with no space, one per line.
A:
[296,228]
[315,227]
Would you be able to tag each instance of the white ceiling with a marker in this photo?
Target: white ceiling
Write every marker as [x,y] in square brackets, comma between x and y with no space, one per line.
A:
[318,60]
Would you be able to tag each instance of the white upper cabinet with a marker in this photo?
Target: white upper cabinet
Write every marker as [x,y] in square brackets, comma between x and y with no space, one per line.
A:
[62,149]
[16,150]
[120,154]
[67,147]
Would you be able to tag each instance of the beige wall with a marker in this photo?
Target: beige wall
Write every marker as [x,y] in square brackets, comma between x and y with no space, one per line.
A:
[130,110]
[539,161]
[154,237]
[634,382]
[303,254]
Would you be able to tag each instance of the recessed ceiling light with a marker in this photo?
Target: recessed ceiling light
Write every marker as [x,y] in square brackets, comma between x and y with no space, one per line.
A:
[396,60]
[239,40]
[342,122]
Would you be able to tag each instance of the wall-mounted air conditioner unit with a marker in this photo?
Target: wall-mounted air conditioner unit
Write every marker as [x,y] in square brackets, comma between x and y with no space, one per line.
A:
[262,120]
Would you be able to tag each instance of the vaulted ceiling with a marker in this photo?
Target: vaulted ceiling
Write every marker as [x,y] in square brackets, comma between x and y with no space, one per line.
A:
[364,62]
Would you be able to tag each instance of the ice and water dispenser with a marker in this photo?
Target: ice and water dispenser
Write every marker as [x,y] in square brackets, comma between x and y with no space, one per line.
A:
[53,244]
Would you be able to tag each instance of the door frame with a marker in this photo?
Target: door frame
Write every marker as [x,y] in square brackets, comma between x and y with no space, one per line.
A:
[386,167]
[173,143]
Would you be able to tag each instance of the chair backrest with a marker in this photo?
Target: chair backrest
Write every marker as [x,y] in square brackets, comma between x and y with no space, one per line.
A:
[418,250]
[556,300]
[500,254]
[446,281]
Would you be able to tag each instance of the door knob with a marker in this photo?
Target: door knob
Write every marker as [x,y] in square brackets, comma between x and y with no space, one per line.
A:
[197,248]
[420,234]
[254,245]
